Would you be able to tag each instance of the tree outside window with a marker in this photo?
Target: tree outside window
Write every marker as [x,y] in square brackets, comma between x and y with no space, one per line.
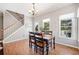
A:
[46,25]
[66,25]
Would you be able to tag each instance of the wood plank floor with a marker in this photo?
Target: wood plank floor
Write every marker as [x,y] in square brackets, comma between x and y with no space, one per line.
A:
[22,48]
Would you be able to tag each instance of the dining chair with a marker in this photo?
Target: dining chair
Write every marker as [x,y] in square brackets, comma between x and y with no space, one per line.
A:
[50,41]
[41,44]
[31,39]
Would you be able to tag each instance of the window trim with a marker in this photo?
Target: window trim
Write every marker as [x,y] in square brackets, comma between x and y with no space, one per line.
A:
[45,20]
[60,26]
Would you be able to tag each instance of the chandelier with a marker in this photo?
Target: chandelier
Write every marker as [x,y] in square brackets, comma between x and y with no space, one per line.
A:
[33,11]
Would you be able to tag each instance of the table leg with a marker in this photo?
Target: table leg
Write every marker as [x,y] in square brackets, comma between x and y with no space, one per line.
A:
[54,42]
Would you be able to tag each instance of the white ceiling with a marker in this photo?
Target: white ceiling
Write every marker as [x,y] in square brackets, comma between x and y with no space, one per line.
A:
[24,8]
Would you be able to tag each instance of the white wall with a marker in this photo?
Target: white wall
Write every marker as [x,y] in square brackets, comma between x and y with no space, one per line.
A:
[78,23]
[10,24]
[15,36]
[54,24]
[20,33]
[15,31]
[28,26]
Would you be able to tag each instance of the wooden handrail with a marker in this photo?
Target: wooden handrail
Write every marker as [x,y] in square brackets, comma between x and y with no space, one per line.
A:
[11,25]
[18,16]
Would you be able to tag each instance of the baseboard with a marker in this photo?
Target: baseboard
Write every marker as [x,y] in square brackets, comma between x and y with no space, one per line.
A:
[12,41]
[68,45]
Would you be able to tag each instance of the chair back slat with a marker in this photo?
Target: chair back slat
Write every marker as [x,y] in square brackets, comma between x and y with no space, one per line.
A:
[38,37]
[31,35]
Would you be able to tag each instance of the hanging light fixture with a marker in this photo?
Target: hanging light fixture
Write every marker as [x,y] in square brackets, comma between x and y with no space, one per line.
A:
[33,11]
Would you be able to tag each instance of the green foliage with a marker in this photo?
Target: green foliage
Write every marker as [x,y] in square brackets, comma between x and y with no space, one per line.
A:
[46,26]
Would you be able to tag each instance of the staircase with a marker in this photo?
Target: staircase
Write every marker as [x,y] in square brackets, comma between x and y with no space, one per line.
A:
[13,22]
[11,27]
[18,16]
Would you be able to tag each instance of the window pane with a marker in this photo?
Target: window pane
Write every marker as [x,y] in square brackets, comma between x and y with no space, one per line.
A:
[46,24]
[66,25]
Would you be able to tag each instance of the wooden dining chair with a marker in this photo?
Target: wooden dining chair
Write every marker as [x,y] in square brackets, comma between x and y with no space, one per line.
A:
[41,44]
[50,41]
[31,39]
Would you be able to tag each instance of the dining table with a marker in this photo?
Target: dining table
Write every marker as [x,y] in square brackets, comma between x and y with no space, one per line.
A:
[48,37]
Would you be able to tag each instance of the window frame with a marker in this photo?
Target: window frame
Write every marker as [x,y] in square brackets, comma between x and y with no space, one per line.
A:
[46,20]
[60,19]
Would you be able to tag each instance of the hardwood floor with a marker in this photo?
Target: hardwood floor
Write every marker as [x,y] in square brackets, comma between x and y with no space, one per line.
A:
[22,48]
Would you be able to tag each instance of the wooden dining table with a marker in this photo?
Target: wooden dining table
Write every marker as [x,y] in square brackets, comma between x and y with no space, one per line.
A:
[48,38]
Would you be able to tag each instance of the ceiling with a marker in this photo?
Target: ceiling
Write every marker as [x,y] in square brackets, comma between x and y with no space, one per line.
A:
[24,8]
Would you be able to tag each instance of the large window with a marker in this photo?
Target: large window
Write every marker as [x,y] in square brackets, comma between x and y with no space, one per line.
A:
[78,24]
[66,25]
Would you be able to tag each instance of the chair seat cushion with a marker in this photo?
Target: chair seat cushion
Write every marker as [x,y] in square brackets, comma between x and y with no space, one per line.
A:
[41,44]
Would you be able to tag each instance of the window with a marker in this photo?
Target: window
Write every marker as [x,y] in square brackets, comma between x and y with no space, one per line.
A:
[46,24]
[66,25]
[78,24]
